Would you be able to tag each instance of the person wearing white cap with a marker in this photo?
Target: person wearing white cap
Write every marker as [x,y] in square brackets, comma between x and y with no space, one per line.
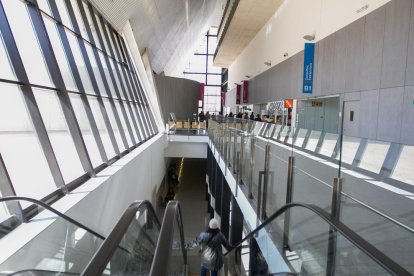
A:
[211,252]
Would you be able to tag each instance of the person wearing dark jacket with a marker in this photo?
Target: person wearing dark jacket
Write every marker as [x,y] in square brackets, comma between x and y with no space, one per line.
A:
[214,239]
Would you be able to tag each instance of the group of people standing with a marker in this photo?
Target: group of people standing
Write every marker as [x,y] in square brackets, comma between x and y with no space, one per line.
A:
[245,116]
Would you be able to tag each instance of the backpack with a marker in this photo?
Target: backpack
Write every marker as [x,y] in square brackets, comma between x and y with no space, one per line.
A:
[209,255]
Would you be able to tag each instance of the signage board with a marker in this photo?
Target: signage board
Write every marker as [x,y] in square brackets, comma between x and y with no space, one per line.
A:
[308,64]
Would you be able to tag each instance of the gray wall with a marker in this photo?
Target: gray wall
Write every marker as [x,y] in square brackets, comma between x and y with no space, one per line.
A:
[179,96]
[370,60]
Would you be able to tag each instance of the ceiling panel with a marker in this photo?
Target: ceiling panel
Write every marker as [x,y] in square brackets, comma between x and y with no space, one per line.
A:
[168,29]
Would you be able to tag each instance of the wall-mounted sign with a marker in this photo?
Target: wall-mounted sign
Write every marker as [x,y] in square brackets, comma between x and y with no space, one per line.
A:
[279,105]
[316,103]
[238,93]
[288,103]
[308,63]
[245,91]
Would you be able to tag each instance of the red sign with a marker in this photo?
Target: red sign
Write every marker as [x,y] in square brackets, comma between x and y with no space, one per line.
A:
[288,103]
[238,94]
[201,92]
[223,99]
[245,91]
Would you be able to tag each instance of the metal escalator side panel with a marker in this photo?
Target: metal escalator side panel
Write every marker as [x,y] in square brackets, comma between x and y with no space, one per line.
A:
[170,255]
[129,249]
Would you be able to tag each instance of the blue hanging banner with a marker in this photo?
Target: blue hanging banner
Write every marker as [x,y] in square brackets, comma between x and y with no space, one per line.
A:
[308,62]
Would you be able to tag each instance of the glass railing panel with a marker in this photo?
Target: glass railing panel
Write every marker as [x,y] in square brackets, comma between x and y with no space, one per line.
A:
[393,239]
[403,168]
[350,147]
[278,174]
[328,144]
[313,140]
[135,252]
[284,133]
[37,238]
[312,180]
[257,128]
[258,167]
[246,160]
[350,260]
[308,238]
[300,137]
[276,133]
[374,155]
[291,136]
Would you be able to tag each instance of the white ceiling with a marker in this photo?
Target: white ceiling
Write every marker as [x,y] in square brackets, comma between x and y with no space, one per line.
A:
[169,29]
[249,17]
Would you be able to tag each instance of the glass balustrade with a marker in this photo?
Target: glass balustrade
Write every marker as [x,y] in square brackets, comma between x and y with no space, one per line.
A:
[365,183]
[37,238]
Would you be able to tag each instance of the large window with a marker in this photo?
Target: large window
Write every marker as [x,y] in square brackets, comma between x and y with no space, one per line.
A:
[200,68]
[71,101]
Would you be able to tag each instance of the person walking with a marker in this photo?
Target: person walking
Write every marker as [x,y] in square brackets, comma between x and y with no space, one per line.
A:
[211,242]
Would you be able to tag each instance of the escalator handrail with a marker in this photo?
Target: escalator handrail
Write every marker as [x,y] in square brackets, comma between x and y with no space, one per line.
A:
[51,209]
[164,246]
[380,258]
[102,256]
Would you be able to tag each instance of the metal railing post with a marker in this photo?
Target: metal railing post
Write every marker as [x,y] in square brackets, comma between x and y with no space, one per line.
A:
[259,195]
[252,142]
[336,198]
[234,151]
[333,236]
[265,181]
[229,147]
[241,159]
[289,196]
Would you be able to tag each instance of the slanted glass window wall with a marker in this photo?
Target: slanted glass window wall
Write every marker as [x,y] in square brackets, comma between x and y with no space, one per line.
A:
[200,68]
[71,101]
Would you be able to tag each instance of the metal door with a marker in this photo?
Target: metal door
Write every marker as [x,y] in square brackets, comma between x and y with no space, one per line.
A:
[351,118]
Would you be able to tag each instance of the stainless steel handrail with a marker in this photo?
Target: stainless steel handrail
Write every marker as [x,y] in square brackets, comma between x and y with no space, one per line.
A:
[380,258]
[51,209]
[163,250]
[97,265]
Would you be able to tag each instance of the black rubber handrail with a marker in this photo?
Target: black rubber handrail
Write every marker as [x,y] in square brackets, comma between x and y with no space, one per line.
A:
[99,261]
[51,209]
[380,258]
[162,255]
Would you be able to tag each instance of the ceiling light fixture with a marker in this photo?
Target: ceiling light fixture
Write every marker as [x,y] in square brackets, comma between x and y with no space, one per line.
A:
[310,37]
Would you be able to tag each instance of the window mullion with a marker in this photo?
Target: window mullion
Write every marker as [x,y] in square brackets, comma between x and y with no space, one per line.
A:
[78,81]
[100,68]
[91,75]
[141,116]
[142,99]
[123,110]
[56,75]
[29,100]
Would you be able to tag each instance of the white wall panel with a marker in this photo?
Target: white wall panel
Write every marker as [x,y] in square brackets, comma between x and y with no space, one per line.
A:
[284,32]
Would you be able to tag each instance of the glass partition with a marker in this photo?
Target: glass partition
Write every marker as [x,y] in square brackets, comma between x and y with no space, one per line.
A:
[135,252]
[311,244]
[38,238]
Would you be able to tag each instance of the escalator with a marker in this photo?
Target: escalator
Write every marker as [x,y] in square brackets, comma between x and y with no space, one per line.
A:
[35,239]
[38,240]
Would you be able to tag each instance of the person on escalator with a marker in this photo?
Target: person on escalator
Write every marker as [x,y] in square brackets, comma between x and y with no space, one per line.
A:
[211,251]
